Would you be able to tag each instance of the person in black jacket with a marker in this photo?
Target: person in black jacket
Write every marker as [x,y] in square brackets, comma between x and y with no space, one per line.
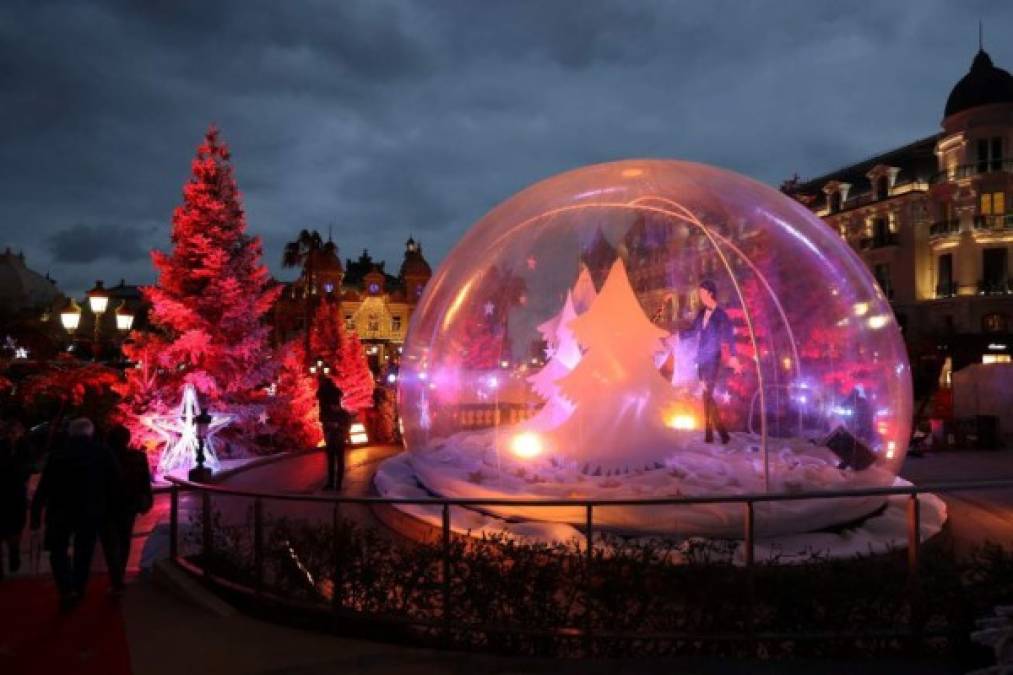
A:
[715,331]
[335,421]
[135,493]
[79,484]
[14,472]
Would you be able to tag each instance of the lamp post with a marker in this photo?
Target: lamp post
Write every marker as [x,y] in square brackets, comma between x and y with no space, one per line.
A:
[70,316]
[124,317]
[200,473]
[98,301]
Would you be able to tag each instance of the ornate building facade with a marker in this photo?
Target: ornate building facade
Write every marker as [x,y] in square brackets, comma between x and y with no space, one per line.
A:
[933,222]
[376,305]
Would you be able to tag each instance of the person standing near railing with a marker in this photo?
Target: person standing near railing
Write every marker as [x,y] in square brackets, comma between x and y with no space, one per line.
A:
[335,422]
[716,335]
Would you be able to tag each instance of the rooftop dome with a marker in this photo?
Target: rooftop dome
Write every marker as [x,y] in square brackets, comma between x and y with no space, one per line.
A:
[983,85]
[22,288]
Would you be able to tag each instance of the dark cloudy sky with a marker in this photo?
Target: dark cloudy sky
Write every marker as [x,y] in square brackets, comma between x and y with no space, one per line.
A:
[389,118]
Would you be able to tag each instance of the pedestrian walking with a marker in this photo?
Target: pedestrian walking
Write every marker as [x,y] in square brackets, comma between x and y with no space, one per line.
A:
[79,483]
[135,495]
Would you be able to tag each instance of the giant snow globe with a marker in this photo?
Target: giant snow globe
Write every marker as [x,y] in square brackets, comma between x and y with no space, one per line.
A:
[653,329]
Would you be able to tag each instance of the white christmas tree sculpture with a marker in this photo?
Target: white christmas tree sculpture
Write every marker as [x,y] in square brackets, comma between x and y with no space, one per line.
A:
[564,356]
[619,398]
[180,434]
[583,291]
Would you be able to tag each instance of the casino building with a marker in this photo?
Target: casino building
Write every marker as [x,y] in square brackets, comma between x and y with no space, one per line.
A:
[377,305]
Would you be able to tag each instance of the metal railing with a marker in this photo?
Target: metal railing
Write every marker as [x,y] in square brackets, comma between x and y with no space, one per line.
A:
[255,589]
[970,170]
[993,222]
[944,227]
[878,241]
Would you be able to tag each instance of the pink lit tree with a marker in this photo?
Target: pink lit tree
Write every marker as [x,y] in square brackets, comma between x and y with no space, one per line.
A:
[208,305]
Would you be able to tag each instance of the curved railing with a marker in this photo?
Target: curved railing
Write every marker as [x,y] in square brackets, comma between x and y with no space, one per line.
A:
[253,588]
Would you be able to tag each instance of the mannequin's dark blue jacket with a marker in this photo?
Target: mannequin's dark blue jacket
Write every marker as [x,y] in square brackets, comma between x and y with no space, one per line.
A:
[719,330]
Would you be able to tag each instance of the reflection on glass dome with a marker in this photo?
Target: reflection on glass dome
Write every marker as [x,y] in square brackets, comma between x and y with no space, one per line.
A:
[647,329]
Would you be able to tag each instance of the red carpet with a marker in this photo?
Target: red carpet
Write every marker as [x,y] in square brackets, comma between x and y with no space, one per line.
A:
[37,639]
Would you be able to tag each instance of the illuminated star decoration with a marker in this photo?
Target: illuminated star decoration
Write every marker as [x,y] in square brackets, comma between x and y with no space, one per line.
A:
[180,434]
[489,308]
[262,417]
[532,263]
[21,353]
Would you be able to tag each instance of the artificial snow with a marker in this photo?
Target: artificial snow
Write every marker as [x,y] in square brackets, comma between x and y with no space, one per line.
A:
[884,529]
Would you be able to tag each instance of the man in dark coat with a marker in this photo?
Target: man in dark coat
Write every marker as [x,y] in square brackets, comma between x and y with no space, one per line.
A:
[335,421]
[14,472]
[715,332]
[79,484]
[135,493]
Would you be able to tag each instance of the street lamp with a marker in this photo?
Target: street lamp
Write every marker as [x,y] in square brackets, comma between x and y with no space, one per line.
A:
[200,473]
[98,298]
[98,301]
[70,316]
[320,367]
[124,317]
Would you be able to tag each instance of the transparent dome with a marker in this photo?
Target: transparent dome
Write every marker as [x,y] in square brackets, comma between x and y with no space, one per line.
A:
[650,328]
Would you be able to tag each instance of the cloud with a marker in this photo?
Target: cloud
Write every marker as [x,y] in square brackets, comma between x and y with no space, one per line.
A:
[387,117]
[81,244]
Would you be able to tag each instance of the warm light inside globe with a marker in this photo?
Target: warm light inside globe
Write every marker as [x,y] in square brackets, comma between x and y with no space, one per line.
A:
[681,421]
[526,445]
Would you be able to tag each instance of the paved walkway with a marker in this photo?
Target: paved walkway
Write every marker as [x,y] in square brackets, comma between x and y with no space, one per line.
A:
[974,517]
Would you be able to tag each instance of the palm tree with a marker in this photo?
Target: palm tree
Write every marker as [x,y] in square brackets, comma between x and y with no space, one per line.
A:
[304,252]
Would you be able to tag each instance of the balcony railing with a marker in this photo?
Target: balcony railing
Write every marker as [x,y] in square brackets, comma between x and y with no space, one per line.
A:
[946,289]
[999,222]
[978,168]
[944,227]
[880,241]
[995,287]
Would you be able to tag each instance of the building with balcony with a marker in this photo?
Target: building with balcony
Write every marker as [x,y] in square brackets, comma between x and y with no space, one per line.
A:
[933,222]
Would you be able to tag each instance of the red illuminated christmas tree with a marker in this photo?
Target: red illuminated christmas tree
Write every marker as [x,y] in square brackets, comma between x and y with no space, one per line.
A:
[296,415]
[343,352]
[209,302]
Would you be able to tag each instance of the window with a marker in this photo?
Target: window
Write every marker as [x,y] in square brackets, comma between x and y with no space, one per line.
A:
[993,203]
[880,232]
[882,274]
[882,187]
[994,323]
[835,201]
[944,276]
[995,358]
[993,265]
[395,324]
[349,324]
[989,154]
[373,324]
